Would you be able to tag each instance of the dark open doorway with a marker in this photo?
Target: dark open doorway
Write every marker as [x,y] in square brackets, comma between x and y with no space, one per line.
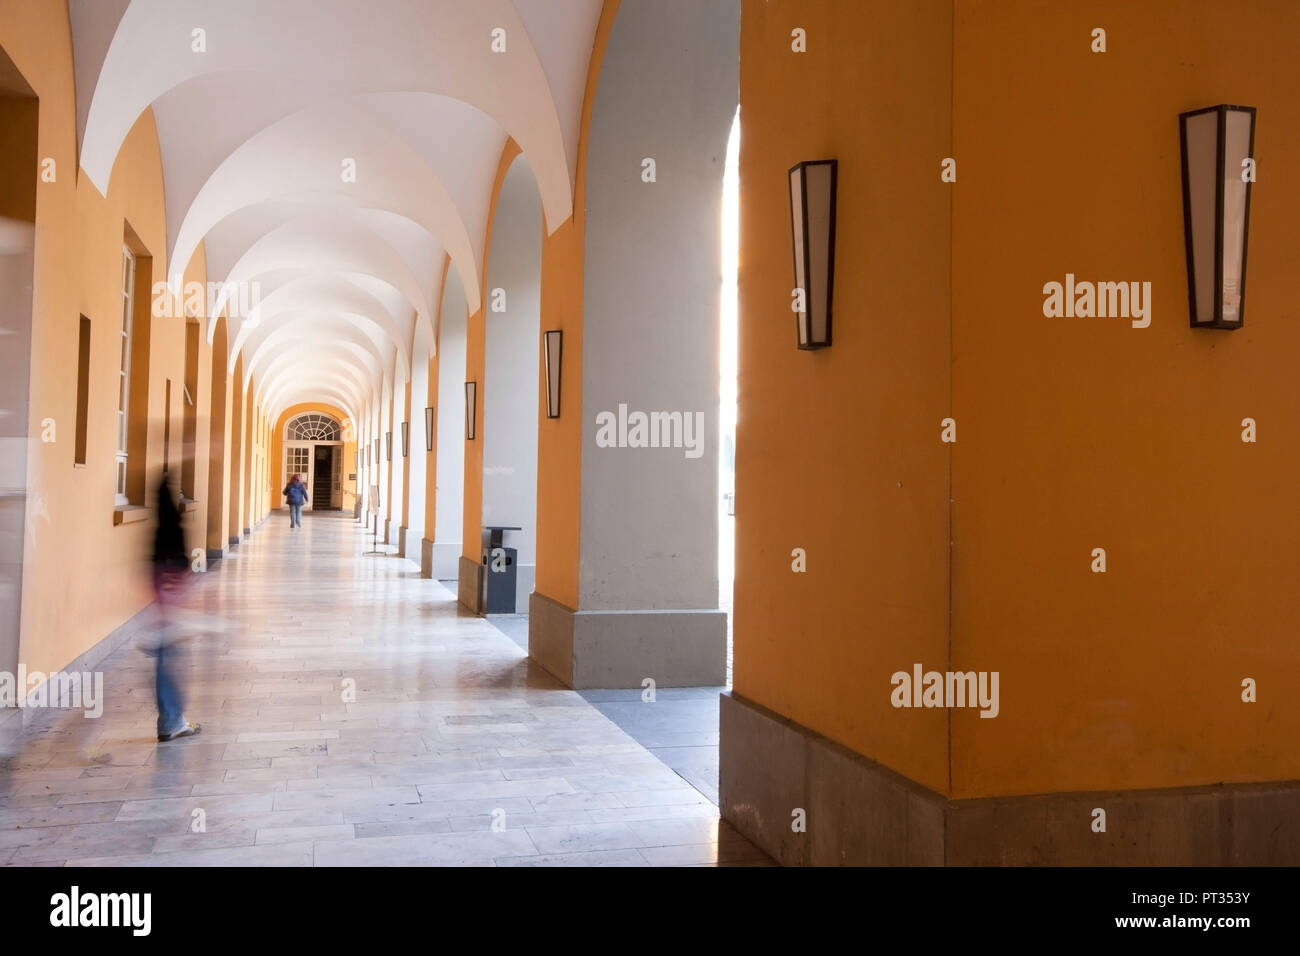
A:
[322,491]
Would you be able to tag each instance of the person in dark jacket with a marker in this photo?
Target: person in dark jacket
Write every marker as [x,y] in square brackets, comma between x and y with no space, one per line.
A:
[171,570]
[295,493]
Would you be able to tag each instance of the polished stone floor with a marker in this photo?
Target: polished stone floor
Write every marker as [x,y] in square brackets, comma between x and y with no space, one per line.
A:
[351,716]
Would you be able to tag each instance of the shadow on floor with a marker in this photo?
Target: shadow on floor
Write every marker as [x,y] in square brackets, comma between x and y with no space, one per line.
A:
[680,726]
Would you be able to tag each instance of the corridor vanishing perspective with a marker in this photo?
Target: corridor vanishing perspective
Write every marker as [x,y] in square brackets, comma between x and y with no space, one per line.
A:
[649,433]
[352,716]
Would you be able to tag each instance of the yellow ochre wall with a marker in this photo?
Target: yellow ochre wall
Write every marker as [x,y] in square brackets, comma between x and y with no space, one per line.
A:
[71,535]
[1073,434]
[837,451]
[1077,434]
[559,440]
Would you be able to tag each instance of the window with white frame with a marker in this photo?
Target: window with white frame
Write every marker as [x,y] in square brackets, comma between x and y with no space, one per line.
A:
[312,427]
[297,460]
[124,374]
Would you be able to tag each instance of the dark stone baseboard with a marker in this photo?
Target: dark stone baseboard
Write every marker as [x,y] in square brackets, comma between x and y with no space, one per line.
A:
[550,636]
[426,558]
[469,585]
[860,813]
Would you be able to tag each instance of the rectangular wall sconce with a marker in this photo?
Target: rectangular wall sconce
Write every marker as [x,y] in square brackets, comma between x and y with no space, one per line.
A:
[428,428]
[1218,147]
[471,406]
[812,226]
[388,446]
[554,349]
[406,439]
[376,450]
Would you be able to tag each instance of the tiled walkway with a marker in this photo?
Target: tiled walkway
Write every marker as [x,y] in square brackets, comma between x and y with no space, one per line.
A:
[456,750]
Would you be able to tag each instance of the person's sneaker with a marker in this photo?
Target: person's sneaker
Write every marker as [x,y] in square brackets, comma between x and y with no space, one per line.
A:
[186,730]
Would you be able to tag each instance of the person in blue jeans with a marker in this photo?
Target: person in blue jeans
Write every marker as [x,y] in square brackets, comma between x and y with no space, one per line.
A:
[171,576]
[295,493]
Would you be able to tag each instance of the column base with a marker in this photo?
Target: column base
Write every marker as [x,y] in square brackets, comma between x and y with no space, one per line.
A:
[860,813]
[469,590]
[426,558]
[401,541]
[620,649]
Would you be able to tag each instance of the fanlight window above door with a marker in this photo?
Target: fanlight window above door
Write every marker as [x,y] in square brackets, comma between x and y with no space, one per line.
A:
[312,427]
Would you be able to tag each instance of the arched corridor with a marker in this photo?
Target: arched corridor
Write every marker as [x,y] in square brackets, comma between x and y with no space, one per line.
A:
[352,716]
[649,432]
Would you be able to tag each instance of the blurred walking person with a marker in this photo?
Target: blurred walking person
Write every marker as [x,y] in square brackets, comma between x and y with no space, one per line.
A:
[171,571]
[295,493]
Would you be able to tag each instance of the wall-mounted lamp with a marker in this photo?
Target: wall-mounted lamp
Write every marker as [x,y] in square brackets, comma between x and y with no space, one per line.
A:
[376,450]
[406,439]
[388,446]
[812,226]
[554,349]
[471,406]
[428,428]
[1218,146]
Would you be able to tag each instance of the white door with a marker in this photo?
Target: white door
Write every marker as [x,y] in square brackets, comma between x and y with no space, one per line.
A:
[297,461]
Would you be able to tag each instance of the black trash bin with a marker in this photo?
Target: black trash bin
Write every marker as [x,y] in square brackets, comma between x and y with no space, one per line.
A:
[500,570]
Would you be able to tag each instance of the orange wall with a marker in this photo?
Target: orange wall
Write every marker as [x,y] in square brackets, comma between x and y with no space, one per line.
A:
[79,234]
[559,440]
[1084,433]
[1073,434]
[72,537]
[838,451]
[218,440]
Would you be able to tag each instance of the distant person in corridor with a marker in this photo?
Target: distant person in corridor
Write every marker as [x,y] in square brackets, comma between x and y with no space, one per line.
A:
[171,575]
[295,493]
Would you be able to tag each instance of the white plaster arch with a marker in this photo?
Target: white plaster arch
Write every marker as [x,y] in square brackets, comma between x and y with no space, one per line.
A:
[309,245]
[321,293]
[304,155]
[343,335]
[228,242]
[323,371]
[432,46]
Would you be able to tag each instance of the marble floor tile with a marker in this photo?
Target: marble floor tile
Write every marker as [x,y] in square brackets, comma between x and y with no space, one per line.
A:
[583,837]
[589,858]
[437,849]
[354,716]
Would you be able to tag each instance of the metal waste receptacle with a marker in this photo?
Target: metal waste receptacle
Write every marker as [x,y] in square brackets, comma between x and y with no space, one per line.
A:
[500,570]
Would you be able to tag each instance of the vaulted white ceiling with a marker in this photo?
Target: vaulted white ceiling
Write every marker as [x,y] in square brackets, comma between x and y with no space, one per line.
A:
[256,130]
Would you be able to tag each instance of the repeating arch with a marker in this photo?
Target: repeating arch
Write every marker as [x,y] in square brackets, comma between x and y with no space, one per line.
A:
[417,94]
